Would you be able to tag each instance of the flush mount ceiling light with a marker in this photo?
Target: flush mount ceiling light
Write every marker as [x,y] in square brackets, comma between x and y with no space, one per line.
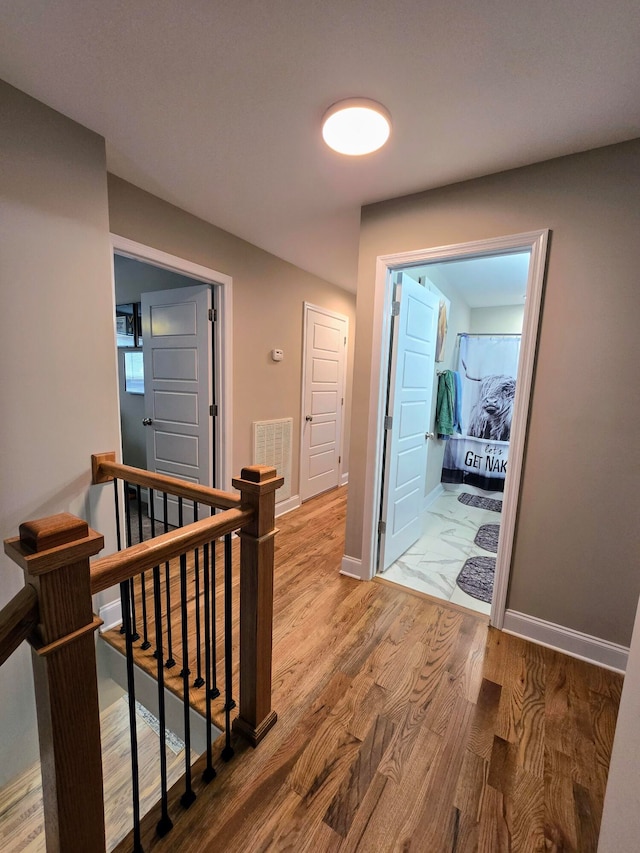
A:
[356,126]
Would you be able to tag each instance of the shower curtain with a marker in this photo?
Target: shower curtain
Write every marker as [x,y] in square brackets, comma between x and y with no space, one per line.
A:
[488,366]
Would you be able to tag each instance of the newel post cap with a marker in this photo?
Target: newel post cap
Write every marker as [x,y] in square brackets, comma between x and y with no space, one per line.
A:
[260,479]
[47,544]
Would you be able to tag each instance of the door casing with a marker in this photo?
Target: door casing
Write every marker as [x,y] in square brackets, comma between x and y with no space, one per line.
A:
[534,241]
[223,341]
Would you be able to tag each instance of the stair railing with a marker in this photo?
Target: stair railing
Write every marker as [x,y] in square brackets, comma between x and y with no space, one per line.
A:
[54,613]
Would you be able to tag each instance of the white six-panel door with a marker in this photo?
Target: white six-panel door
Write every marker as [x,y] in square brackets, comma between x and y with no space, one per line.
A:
[177,347]
[410,400]
[325,345]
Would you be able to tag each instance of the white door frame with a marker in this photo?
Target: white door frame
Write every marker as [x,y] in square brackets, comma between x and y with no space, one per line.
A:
[536,243]
[308,306]
[223,361]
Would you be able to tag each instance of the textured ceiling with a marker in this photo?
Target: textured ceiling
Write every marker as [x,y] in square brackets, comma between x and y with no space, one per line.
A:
[216,107]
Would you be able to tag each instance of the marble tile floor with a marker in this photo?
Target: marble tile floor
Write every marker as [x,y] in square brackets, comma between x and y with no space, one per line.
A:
[433,563]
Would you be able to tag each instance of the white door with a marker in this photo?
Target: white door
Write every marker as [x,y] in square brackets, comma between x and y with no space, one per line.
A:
[325,346]
[410,402]
[178,388]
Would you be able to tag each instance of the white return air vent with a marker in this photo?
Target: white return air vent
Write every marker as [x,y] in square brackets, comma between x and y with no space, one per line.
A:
[272,446]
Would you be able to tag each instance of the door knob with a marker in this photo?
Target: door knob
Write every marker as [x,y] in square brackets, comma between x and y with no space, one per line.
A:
[147,421]
[429,435]
[309,418]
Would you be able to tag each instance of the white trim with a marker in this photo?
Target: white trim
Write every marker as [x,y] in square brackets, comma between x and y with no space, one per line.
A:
[352,568]
[524,381]
[536,243]
[111,615]
[223,287]
[344,478]
[306,307]
[433,496]
[132,249]
[566,640]
[287,506]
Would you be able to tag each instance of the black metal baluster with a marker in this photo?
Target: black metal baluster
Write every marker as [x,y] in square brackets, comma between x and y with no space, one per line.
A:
[170,659]
[183,598]
[189,795]
[119,543]
[209,772]
[145,628]
[165,823]
[152,518]
[214,691]
[199,681]
[117,503]
[227,752]
[135,781]
[132,598]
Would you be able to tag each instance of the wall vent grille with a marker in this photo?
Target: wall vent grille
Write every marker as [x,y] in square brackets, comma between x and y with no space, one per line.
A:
[272,446]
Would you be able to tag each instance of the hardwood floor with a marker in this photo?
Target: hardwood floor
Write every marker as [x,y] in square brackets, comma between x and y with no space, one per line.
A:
[21,816]
[403,725]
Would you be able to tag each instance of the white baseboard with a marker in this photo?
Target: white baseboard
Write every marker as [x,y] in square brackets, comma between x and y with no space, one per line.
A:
[286,506]
[352,568]
[566,640]
[344,479]
[433,495]
[111,615]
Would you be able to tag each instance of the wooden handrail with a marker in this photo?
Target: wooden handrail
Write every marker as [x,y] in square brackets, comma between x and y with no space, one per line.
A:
[18,618]
[118,567]
[105,468]
[54,611]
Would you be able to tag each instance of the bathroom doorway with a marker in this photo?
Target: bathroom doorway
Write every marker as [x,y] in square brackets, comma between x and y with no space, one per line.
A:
[501,300]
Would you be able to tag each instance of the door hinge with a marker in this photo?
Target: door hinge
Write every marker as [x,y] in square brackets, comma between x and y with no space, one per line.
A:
[213,314]
[339,459]
[382,528]
[388,422]
[342,401]
[345,341]
[213,410]
[395,309]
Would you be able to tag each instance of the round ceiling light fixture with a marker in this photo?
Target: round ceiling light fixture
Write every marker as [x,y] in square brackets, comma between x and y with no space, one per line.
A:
[356,126]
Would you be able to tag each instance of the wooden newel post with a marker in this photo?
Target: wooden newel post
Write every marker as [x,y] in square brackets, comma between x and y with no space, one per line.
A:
[258,485]
[54,553]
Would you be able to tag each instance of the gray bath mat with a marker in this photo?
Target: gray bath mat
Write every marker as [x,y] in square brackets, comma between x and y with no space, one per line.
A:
[487,537]
[480,502]
[476,577]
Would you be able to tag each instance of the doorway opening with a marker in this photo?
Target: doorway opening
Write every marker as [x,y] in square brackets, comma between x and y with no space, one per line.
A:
[188,364]
[434,501]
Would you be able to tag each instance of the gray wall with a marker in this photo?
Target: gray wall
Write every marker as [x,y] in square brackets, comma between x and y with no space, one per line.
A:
[500,319]
[57,363]
[575,556]
[134,278]
[268,296]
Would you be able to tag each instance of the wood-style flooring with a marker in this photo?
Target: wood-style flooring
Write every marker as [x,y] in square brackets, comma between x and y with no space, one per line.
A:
[403,725]
[21,815]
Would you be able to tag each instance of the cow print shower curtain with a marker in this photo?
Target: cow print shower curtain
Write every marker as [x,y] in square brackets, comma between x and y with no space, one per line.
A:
[478,456]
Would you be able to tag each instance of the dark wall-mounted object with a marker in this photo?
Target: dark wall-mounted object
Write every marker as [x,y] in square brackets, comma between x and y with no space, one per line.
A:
[129,324]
